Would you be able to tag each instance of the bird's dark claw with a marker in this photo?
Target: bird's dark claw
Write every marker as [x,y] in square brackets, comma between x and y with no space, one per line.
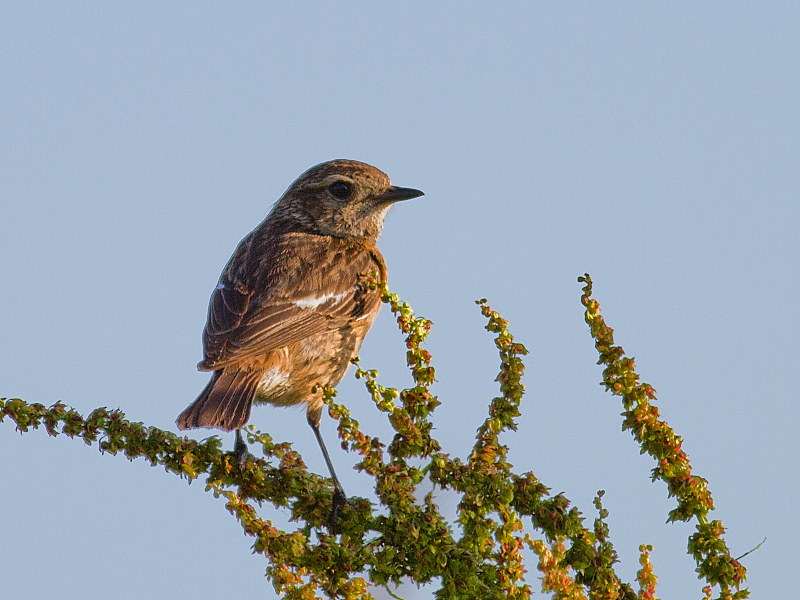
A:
[339,502]
[240,450]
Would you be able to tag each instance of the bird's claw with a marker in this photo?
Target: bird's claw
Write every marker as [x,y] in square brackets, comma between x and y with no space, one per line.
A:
[240,451]
[340,500]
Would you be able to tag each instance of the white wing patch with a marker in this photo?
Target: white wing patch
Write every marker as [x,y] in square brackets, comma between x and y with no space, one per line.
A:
[220,286]
[315,301]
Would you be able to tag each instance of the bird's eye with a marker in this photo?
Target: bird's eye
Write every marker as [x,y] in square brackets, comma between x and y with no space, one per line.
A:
[340,189]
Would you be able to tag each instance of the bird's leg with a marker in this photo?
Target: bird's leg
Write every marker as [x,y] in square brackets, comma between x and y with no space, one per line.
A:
[240,450]
[336,485]
[339,497]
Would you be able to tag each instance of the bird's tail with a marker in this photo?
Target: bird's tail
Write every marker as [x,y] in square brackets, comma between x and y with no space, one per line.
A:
[224,403]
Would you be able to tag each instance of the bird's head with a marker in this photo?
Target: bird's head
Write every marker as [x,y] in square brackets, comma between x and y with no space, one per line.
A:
[340,198]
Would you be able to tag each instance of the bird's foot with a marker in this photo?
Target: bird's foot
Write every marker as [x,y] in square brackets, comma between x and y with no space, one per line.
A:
[340,500]
[240,450]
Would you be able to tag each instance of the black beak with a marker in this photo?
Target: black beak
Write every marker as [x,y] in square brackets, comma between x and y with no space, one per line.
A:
[394,194]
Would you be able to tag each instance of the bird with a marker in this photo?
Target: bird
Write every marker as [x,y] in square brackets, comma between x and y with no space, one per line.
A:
[294,302]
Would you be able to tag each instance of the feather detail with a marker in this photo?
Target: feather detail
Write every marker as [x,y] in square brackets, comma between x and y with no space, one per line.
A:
[225,402]
[293,299]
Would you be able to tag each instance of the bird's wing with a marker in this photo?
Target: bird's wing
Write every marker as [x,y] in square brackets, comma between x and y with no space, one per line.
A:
[273,295]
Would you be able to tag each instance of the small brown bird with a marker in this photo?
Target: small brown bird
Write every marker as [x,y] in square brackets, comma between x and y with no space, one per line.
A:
[294,304]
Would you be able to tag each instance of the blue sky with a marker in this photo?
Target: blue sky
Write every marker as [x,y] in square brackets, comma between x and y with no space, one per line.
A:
[653,145]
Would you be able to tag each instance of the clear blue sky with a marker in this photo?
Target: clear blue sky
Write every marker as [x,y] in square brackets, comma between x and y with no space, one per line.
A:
[653,145]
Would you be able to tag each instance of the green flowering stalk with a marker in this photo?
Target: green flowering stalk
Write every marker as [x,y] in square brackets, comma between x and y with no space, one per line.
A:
[402,535]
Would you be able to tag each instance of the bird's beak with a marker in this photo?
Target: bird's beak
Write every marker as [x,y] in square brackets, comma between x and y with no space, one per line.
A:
[395,194]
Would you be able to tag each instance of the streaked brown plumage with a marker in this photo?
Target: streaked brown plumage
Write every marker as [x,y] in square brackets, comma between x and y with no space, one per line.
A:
[293,304]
